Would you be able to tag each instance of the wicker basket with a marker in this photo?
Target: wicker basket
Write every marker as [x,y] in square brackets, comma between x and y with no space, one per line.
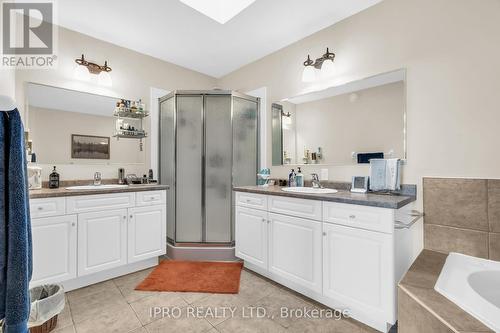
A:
[46,327]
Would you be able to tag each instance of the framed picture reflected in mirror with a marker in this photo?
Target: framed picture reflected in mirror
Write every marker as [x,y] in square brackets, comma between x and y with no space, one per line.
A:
[90,147]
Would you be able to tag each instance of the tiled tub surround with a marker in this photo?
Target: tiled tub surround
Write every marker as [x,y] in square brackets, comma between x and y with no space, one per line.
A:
[421,309]
[462,215]
[81,237]
[342,251]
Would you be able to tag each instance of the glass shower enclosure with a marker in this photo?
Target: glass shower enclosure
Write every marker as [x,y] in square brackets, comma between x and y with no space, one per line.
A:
[209,142]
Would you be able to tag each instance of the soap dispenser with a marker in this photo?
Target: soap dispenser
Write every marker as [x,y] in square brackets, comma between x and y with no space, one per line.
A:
[54,179]
[292,181]
[299,178]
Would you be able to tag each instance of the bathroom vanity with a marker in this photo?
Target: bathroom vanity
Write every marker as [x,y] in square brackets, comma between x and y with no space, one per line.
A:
[81,237]
[345,250]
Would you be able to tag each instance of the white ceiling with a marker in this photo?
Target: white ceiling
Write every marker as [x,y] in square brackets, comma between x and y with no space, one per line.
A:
[174,32]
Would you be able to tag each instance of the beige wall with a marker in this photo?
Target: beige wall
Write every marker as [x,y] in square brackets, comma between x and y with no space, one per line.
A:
[338,124]
[451,51]
[133,75]
[7,82]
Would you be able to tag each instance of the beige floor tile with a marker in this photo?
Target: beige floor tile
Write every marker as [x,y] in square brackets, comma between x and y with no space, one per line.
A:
[281,299]
[97,288]
[183,324]
[140,330]
[219,301]
[133,278]
[191,297]
[67,329]
[86,307]
[256,288]
[131,295]
[324,326]
[121,321]
[249,325]
[64,319]
[144,307]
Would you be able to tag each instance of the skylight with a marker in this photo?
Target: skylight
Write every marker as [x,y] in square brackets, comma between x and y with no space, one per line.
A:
[219,10]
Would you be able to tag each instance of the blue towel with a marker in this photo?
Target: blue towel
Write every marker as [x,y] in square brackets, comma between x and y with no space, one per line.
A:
[15,226]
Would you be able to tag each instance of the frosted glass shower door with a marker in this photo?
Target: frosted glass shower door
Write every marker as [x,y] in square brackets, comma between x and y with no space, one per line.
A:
[218,168]
[189,209]
[167,159]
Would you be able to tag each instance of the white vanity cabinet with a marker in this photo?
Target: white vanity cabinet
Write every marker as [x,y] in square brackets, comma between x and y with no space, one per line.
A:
[146,232]
[251,233]
[54,248]
[102,239]
[295,250]
[345,256]
[86,239]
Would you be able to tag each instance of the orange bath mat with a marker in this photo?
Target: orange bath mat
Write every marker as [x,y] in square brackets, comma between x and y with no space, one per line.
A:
[194,276]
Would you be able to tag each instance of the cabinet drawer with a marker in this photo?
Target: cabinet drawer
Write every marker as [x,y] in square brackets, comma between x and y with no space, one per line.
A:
[309,209]
[90,203]
[251,200]
[369,218]
[47,207]
[149,198]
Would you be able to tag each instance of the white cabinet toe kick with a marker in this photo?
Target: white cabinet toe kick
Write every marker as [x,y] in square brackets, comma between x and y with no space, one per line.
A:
[80,240]
[346,256]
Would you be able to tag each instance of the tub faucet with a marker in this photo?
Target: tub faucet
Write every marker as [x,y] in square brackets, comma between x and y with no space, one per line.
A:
[97,178]
[315,181]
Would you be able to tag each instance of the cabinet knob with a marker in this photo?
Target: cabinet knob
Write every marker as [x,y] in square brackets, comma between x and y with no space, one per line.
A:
[352,217]
[40,208]
[131,216]
[73,224]
[124,217]
[264,220]
[324,233]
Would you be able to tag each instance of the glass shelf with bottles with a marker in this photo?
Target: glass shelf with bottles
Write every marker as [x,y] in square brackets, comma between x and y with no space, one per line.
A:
[130,109]
[132,134]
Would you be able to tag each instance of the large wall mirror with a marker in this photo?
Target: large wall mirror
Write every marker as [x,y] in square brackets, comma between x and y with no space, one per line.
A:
[341,125]
[74,127]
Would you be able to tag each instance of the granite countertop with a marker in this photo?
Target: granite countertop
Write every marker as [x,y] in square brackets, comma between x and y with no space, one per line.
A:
[342,196]
[419,283]
[63,192]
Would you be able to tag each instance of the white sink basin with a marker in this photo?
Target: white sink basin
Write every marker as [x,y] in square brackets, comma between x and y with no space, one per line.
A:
[96,187]
[309,190]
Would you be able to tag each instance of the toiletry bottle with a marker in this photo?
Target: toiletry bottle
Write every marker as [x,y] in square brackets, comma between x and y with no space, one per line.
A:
[292,179]
[54,179]
[299,178]
[150,175]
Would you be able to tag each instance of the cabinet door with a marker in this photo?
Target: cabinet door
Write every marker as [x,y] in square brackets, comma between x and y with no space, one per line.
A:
[251,236]
[54,249]
[295,250]
[147,229]
[102,238]
[358,270]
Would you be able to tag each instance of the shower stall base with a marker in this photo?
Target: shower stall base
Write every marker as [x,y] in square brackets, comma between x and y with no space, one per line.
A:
[202,252]
[209,142]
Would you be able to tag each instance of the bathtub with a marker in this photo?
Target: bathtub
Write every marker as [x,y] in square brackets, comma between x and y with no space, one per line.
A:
[474,285]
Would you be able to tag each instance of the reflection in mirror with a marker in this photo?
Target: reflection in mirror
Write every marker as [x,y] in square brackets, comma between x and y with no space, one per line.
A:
[56,115]
[339,125]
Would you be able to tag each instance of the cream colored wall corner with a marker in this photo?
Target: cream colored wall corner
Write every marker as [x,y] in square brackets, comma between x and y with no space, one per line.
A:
[133,76]
[8,82]
[452,56]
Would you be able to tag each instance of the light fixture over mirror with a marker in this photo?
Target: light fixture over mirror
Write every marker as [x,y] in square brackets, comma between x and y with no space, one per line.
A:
[84,68]
[322,67]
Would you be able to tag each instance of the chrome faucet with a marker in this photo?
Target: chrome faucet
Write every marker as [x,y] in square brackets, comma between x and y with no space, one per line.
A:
[97,179]
[315,181]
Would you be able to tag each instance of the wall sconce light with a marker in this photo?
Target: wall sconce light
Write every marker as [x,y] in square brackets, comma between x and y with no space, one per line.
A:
[85,68]
[287,118]
[324,65]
